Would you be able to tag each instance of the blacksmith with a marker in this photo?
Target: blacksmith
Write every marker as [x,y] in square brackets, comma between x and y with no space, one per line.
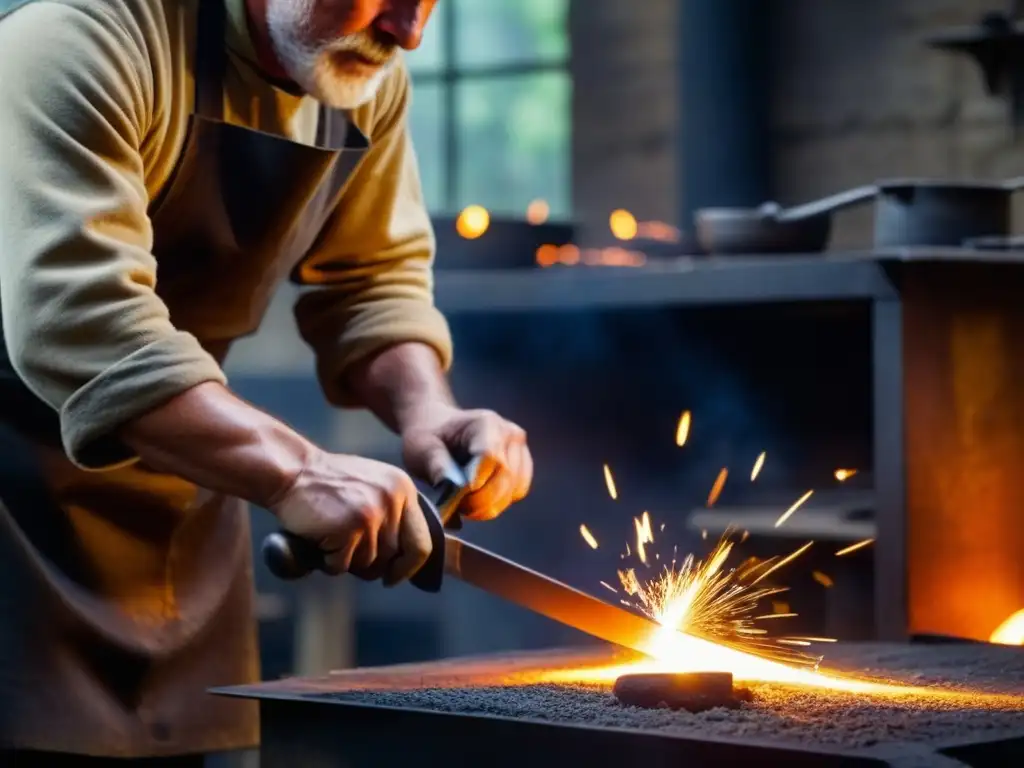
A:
[164,166]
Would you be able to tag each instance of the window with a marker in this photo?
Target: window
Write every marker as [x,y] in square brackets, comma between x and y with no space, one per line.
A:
[491,105]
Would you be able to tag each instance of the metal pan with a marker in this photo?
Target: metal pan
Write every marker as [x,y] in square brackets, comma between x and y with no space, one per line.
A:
[934,212]
[770,229]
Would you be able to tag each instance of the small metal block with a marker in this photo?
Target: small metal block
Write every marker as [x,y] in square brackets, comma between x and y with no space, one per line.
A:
[692,691]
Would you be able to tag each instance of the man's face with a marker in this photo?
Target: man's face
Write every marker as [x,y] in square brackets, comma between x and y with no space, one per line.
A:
[340,51]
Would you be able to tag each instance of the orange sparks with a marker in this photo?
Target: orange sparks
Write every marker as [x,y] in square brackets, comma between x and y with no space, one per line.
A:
[757,467]
[473,222]
[608,586]
[844,474]
[788,513]
[784,561]
[855,547]
[537,212]
[822,579]
[623,224]
[683,429]
[716,489]
[588,536]
[644,536]
[609,481]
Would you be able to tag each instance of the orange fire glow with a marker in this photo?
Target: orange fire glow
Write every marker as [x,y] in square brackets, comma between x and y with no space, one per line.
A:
[570,255]
[473,222]
[699,600]
[623,224]
[1011,631]
[537,212]
[843,475]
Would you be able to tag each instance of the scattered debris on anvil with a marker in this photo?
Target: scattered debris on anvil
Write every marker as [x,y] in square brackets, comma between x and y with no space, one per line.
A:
[957,691]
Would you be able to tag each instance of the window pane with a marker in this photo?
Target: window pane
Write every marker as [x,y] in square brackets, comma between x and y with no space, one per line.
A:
[513,138]
[429,57]
[490,32]
[426,122]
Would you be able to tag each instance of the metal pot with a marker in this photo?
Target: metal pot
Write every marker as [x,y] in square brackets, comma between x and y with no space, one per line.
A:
[770,229]
[922,212]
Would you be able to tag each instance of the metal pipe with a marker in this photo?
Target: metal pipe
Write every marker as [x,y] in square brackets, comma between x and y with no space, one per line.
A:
[724,153]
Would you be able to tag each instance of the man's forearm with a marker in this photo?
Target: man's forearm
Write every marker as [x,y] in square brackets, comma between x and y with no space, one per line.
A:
[210,437]
[398,384]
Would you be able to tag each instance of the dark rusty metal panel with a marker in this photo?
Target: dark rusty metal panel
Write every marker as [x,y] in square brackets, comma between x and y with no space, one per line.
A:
[963,369]
[890,583]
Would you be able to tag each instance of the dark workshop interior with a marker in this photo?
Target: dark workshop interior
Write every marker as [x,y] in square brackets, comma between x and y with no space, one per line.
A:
[750,274]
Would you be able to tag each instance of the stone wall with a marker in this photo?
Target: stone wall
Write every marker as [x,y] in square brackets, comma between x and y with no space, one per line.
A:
[624,110]
[858,96]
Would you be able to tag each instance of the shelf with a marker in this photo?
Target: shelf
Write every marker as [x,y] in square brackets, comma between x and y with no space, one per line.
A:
[693,281]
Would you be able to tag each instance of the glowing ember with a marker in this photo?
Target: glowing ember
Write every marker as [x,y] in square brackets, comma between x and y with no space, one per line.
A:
[473,222]
[683,429]
[588,536]
[716,489]
[644,536]
[609,481]
[1011,631]
[855,547]
[844,474]
[537,212]
[608,586]
[822,579]
[623,224]
[796,505]
[758,464]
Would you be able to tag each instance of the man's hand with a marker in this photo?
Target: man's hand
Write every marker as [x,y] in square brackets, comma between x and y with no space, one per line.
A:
[442,431]
[363,513]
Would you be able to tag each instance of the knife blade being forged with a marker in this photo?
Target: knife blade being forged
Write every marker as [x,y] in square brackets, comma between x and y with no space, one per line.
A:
[541,594]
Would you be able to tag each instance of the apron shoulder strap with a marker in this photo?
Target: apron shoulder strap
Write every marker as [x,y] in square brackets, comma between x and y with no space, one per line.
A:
[211,59]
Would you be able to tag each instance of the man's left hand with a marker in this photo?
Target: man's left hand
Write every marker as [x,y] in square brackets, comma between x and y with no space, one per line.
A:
[506,468]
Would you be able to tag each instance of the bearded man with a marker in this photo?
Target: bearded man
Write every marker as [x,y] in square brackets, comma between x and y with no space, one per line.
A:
[165,165]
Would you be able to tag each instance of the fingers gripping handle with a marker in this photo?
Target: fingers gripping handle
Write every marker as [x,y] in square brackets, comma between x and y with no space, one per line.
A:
[290,557]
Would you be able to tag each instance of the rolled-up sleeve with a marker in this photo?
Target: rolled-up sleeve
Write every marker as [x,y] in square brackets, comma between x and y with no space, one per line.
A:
[83,326]
[376,258]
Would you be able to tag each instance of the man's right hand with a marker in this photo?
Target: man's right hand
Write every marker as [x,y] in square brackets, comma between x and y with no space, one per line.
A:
[363,513]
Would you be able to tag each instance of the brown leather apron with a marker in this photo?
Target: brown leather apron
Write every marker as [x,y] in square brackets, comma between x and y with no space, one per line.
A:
[125,594]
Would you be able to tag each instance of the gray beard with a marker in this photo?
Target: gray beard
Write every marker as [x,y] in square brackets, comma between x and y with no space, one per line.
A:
[310,64]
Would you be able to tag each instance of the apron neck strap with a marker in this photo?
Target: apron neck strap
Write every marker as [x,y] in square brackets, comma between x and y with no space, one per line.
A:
[211,59]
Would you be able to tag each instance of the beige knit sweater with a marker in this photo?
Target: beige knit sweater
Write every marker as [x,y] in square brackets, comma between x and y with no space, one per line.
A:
[95,97]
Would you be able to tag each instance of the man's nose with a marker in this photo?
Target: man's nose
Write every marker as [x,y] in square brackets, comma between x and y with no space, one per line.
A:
[403,20]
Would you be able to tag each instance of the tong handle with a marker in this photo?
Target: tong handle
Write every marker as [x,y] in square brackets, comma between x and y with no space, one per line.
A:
[290,557]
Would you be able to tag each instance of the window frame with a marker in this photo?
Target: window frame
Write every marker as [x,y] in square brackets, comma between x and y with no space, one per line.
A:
[448,75]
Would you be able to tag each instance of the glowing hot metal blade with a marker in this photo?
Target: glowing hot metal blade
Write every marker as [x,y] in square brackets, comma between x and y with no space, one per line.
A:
[546,596]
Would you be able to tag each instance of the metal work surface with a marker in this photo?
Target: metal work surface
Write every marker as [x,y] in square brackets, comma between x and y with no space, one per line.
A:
[695,281]
[781,726]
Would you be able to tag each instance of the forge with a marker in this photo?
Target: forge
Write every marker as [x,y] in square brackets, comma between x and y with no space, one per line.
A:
[953,705]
